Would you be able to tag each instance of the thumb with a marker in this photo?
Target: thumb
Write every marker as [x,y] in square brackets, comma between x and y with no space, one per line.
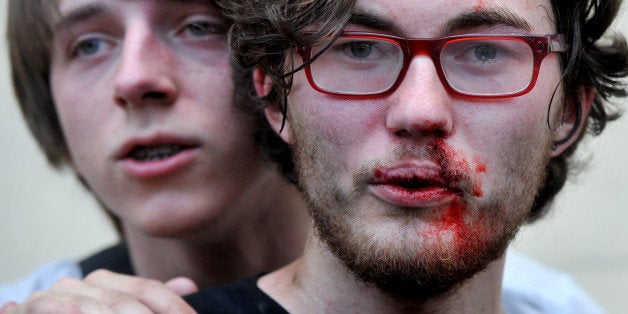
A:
[182,286]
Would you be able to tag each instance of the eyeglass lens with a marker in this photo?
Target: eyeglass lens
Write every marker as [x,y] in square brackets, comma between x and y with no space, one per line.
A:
[473,66]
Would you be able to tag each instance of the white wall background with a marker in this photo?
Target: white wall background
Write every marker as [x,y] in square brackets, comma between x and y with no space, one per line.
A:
[45,215]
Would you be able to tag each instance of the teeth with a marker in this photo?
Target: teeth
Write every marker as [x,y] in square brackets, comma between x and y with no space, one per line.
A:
[149,153]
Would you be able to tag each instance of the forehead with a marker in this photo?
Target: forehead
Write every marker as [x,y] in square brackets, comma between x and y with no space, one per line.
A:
[412,18]
[72,3]
[82,8]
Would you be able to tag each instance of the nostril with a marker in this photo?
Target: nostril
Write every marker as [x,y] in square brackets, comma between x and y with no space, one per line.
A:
[145,99]
[155,95]
[418,129]
[440,133]
[120,101]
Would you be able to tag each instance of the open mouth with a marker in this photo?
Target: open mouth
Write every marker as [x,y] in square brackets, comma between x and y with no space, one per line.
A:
[412,183]
[157,152]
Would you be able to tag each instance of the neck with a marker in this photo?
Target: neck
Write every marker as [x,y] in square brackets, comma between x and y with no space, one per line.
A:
[268,235]
[318,282]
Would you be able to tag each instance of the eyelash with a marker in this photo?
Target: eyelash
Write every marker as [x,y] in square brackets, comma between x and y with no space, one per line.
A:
[198,27]
[201,29]
[99,40]
[207,26]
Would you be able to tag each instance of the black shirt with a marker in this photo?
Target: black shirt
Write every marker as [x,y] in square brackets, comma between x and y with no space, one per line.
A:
[240,297]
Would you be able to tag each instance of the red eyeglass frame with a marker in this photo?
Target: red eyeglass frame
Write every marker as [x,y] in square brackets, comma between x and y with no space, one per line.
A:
[541,47]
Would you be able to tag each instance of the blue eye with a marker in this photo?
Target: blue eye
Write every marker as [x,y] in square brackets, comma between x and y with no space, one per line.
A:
[88,47]
[202,28]
[486,53]
[361,50]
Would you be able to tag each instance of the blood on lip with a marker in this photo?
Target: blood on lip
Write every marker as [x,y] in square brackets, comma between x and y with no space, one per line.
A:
[406,178]
[456,169]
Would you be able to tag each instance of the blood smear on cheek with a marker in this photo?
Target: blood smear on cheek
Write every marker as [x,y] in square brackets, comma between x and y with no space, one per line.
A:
[480,165]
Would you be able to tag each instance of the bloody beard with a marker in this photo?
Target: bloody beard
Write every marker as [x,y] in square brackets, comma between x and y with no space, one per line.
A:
[417,254]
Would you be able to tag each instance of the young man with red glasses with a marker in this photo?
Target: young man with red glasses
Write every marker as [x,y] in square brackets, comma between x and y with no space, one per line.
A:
[97,61]
[424,135]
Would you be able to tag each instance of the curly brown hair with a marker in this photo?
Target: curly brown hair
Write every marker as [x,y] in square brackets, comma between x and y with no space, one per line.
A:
[264,31]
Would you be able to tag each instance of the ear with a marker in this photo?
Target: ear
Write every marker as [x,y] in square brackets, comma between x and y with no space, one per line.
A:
[565,135]
[274,114]
[263,83]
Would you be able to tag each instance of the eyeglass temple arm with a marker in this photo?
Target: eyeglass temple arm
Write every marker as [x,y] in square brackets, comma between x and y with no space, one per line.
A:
[557,43]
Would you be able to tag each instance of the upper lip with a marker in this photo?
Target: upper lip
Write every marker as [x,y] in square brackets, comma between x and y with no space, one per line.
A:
[154,140]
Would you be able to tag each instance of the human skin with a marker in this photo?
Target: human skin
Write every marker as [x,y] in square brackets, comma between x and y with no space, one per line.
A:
[133,74]
[351,154]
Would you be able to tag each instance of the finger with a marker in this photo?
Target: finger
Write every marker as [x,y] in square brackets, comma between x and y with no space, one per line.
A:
[85,297]
[181,286]
[152,293]
[6,308]
[52,302]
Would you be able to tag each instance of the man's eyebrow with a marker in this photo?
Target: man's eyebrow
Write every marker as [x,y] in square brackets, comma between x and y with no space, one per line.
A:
[371,20]
[80,14]
[464,21]
[485,17]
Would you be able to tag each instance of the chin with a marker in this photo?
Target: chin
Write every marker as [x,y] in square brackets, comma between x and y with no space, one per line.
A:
[171,222]
[423,258]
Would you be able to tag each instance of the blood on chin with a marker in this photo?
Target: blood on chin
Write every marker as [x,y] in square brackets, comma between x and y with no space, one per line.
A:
[456,225]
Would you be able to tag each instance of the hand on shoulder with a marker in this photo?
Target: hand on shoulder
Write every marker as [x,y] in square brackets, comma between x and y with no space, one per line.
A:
[103,291]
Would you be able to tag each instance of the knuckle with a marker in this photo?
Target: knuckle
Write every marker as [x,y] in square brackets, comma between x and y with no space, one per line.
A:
[160,298]
[65,282]
[110,297]
[51,303]
[146,287]
[98,274]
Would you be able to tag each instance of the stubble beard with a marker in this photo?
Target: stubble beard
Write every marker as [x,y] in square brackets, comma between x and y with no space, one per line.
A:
[406,267]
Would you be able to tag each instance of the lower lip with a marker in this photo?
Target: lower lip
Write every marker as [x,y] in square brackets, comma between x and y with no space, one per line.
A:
[420,198]
[159,168]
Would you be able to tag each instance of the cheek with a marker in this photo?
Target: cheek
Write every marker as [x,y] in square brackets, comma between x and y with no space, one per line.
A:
[76,115]
[210,83]
[343,126]
[503,141]
[499,126]
[340,122]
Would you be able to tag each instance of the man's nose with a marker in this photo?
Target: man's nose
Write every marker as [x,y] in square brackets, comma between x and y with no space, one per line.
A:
[146,72]
[421,106]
